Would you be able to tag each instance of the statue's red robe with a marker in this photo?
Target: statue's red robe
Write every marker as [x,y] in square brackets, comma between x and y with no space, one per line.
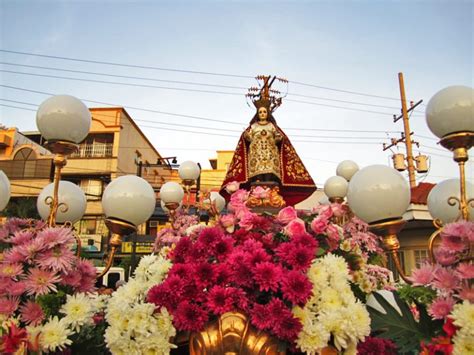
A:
[296,183]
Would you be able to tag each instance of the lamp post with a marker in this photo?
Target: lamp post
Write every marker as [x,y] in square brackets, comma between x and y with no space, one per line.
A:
[189,172]
[171,194]
[64,121]
[379,195]
[335,189]
[450,116]
[128,201]
[5,190]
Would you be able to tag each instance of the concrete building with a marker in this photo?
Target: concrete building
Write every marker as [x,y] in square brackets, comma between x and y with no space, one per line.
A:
[114,147]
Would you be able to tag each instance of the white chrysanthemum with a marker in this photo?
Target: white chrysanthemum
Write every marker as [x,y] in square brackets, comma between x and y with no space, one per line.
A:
[78,310]
[134,327]
[333,309]
[54,335]
[463,343]
[463,315]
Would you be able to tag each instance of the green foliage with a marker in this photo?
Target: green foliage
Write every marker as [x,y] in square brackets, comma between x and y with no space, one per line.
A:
[403,329]
[22,207]
[281,237]
[376,259]
[417,294]
[52,302]
[90,340]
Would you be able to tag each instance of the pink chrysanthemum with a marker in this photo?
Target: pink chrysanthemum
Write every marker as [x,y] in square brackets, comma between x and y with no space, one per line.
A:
[50,237]
[465,271]
[59,258]
[446,280]
[305,240]
[40,282]
[463,229]
[14,255]
[220,300]
[160,296]
[267,276]
[31,313]
[182,250]
[16,288]
[88,276]
[467,293]
[424,275]
[296,287]
[189,316]
[441,307]
[9,305]
[453,242]
[22,237]
[445,256]
[10,270]
[181,270]
[30,250]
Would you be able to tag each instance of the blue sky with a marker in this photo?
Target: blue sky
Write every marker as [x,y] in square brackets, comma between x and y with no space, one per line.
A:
[357,46]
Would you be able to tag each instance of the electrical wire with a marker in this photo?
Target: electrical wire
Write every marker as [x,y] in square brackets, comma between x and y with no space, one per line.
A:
[187,83]
[127,65]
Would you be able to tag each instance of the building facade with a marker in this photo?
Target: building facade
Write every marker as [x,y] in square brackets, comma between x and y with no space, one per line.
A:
[115,146]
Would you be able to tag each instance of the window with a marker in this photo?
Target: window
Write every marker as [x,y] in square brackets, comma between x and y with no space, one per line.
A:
[25,165]
[92,188]
[96,145]
[421,255]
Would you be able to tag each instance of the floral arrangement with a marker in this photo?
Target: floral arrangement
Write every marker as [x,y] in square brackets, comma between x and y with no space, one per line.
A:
[291,273]
[442,296]
[44,304]
[135,326]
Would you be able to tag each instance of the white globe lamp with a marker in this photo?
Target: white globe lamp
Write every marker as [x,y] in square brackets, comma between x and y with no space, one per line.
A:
[440,197]
[63,118]
[130,199]
[189,172]
[71,202]
[450,111]
[378,193]
[335,188]
[347,169]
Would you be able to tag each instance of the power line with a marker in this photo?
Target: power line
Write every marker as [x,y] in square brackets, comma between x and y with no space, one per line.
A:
[195,117]
[182,89]
[188,72]
[127,65]
[125,76]
[121,83]
[186,83]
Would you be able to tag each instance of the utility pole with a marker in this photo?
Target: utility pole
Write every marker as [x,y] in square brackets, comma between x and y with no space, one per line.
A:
[406,126]
[406,136]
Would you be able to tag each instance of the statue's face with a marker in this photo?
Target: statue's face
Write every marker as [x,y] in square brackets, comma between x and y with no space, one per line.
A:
[262,113]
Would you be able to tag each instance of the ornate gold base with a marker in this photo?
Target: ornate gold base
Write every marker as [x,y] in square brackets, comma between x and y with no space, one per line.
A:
[233,334]
[61,147]
[272,202]
[458,140]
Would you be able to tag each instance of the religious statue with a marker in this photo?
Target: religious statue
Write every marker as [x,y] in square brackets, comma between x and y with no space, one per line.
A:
[265,156]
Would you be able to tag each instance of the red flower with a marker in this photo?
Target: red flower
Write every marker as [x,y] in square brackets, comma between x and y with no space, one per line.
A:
[223,247]
[260,317]
[449,328]
[288,328]
[267,275]
[376,346]
[182,250]
[189,316]
[296,256]
[204,274]
[220,300]
[223,273]
[296,287]
[210,236]
[257,256]
[13,339]
[305,240]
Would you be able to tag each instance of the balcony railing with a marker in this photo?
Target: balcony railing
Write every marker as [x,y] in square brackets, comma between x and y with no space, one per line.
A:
[94,151]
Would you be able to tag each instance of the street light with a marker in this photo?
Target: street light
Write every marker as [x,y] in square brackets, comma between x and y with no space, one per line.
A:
[71,202]
[172,195]
[128,201]
[347,169]
[64,121]
[380,195]
[4,190]
[189,172]
[335,189]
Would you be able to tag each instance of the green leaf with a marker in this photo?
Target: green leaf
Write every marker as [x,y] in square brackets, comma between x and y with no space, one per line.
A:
[402,329]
